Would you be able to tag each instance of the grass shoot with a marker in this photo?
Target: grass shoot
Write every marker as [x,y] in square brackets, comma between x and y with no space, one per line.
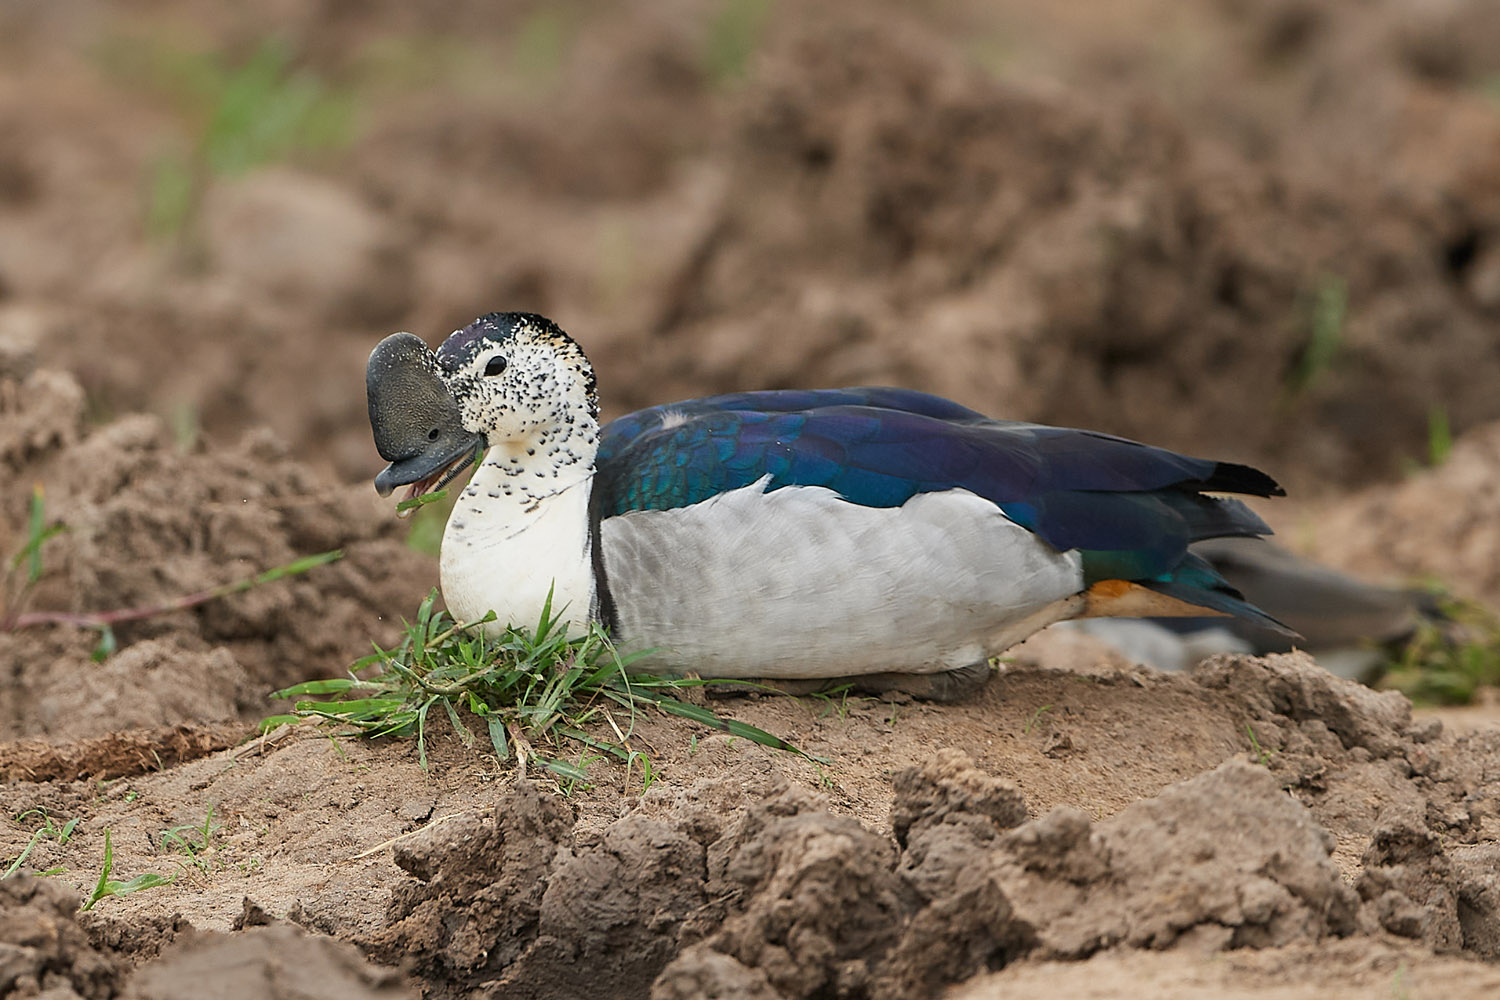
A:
[193,841]
[48,830]
[1327,313]
[107,887]
[1439,435]
[1262,755]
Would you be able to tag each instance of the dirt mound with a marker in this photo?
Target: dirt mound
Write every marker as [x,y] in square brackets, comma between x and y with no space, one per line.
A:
[1440,524]
[1225,860]
[115,755]
[1355,969]
[147,523]
[43,951]
[280,962]
[750,873]
[782,897]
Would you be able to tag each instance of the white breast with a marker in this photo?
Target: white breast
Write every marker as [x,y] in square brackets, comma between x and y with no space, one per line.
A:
[798,582]
[505,551]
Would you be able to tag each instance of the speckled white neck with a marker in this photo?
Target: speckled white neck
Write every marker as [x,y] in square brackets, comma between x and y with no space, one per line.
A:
[519,529]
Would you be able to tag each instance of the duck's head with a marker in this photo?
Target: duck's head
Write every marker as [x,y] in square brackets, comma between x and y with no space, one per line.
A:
[504,377]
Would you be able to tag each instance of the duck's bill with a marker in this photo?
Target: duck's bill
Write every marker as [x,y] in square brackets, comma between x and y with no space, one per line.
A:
[425,474]
[429,487]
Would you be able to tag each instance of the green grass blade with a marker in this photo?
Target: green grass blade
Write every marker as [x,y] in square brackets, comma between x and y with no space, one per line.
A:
[498,739]
[734,727]
[296,567]
[25,853]
[458,724]
[413,503]
[35,534]
[150,880]
[101,887]
[358,708]
[333,685]
[593,744]
[270,722]
[422,733]
[563,769]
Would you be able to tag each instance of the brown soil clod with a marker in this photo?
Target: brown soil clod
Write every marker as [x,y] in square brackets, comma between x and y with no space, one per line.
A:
[280,962]
[43,949]
[116,755]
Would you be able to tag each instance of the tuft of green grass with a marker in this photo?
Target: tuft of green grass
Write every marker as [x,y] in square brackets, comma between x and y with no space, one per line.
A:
[193,841]
[48,830]
[733,36]
[1439,435]
[1328,311]
[1449,658]
[1262,756]
[264,110]
[522,689]
[1036,717]
[540,47]
[107,887]
[835,701]
[239,114]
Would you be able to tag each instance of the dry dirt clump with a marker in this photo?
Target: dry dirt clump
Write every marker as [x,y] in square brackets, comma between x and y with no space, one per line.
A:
[1413,813]
[147,522]
[1442,523]
[506,901]
[278,962]
[785,898]
[1225,860]
[44,951]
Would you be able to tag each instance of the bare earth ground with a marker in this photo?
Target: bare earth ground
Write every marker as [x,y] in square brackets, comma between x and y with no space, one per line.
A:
[1133,217]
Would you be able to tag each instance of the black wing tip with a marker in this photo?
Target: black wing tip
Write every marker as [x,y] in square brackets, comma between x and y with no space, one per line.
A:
[1231,477]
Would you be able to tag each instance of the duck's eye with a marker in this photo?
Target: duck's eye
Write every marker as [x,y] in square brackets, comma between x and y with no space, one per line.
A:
[495,366]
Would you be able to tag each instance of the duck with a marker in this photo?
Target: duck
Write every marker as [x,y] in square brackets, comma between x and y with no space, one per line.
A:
[788,535]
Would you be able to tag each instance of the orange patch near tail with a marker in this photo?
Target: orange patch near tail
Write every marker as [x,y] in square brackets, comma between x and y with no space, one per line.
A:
[1112,589]
[1123,599]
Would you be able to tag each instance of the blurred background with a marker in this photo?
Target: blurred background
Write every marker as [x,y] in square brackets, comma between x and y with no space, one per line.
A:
[1263,230]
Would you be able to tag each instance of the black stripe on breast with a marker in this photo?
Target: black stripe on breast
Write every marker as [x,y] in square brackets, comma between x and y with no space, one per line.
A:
[604,610]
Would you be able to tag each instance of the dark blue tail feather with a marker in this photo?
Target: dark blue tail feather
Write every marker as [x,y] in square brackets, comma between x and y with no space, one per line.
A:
[1195,581]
